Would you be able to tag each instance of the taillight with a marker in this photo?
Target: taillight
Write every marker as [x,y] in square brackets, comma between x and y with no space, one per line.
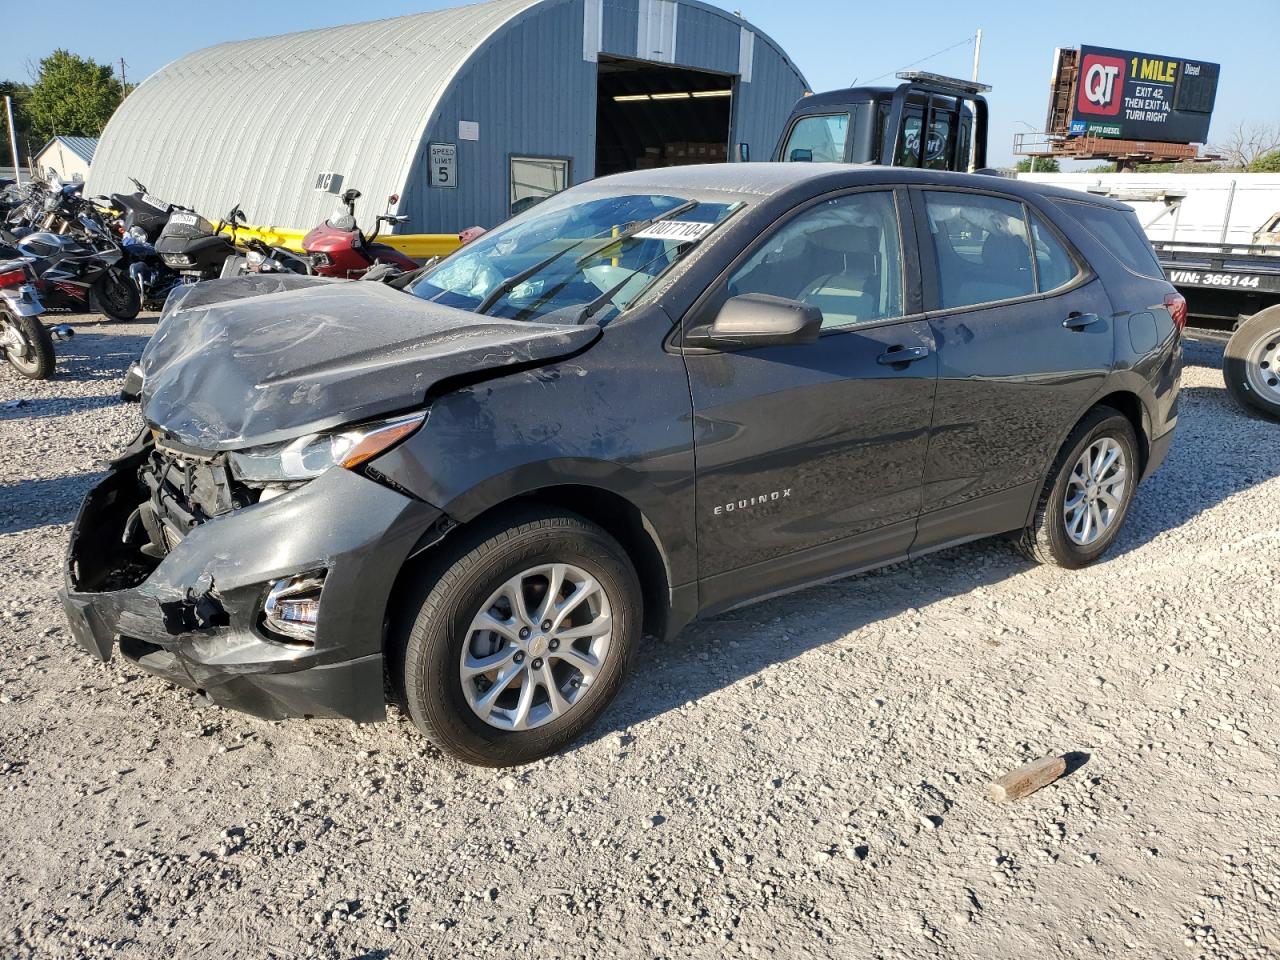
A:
[1177,306]
[13,278]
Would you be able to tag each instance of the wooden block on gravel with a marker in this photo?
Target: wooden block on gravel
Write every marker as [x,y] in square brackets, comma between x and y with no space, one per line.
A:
[1027,779]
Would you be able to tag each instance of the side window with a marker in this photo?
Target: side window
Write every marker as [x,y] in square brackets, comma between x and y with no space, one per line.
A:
[980,245]
[843,256]
[818,139]
[1119,231]
[1055,267]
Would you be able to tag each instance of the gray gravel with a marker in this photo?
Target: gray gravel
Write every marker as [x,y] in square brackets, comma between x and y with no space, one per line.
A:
[801,778]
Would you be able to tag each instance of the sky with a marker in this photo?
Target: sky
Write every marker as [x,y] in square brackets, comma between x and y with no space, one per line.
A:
[834,42]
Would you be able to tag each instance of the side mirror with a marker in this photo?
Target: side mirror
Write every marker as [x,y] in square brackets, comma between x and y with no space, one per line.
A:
[801,155]
[761,320]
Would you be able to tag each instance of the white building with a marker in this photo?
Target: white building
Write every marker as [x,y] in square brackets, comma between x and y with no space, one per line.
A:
[67,158]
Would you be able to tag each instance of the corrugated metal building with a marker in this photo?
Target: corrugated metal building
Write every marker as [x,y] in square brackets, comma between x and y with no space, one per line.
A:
[465,114]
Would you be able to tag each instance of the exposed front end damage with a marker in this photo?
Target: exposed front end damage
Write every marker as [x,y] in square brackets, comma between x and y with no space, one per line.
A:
[189,572]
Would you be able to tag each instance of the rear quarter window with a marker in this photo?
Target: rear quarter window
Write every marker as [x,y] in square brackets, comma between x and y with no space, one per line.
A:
[1120,232]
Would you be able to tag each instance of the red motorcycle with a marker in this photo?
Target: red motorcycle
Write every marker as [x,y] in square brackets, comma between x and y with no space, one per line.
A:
[337,248]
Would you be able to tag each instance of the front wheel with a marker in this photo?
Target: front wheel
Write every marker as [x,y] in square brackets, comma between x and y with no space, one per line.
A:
[523,640]
[116,296]
[1087,493]
[1251,363]
[27,346]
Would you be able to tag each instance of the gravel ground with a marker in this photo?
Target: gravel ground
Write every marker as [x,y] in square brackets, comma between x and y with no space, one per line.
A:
[801,778]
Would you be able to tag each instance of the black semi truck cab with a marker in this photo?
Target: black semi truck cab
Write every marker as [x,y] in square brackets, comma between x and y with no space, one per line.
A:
[886,125]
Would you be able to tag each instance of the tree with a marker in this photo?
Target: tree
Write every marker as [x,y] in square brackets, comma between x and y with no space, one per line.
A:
[72,96]
[1043,165]
[1247,142]
[1267,163]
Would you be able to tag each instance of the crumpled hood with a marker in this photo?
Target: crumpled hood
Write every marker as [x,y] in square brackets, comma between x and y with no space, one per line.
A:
[251,360]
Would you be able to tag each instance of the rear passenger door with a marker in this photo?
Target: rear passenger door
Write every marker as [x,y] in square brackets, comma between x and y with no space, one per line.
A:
[1023,343]
[810,456]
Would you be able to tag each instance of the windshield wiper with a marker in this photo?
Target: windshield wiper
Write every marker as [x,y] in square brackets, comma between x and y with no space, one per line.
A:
[509,284]
[595,306]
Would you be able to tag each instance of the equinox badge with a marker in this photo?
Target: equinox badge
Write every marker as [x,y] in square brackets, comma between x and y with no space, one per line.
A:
[749,502]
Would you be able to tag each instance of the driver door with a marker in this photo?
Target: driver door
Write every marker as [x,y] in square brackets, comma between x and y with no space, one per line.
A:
[810,457]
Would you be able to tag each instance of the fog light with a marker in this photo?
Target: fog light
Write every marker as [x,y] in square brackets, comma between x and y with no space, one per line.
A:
[292,607]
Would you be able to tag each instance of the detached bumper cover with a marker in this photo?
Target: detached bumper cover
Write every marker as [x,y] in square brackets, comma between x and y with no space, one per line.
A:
[195,618]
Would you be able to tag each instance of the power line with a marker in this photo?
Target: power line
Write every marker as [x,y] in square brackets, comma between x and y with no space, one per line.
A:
[964,42]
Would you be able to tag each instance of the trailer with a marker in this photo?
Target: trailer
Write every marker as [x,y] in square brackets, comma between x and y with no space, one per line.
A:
[1240,284]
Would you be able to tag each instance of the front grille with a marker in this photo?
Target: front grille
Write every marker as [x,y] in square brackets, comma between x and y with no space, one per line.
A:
[185,489]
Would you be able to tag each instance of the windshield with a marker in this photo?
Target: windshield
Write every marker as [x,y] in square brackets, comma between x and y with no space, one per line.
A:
[590,258]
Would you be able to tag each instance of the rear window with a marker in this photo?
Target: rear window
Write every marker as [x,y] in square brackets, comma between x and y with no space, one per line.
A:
[1120,232]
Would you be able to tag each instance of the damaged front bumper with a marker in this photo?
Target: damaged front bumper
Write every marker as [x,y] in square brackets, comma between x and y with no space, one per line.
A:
[195,617]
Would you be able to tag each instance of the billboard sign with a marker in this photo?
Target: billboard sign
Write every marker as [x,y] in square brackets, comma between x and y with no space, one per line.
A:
[1139,96]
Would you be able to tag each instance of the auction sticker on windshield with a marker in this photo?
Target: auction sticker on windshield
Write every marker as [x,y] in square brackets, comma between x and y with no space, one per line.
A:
[681,231]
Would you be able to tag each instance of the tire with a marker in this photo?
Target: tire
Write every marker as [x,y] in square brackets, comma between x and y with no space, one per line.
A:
[37,364]
[116,296]
[1251,363]
[1048,539]
[446,609]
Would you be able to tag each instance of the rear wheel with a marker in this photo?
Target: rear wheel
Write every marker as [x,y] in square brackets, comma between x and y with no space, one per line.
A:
[116,296]
[27,346]
[523,640]
[1251,363]
[1087,493]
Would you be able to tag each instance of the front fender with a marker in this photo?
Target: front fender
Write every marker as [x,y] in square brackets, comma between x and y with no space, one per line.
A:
[616,418]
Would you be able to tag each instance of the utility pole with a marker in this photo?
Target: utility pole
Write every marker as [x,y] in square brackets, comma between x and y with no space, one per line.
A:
[13,140]
[124,88]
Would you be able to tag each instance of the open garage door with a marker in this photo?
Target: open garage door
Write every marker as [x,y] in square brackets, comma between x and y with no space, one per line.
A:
[652,115]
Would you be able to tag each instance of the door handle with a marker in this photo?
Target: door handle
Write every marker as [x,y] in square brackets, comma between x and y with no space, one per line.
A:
[904,355]
[1078,321]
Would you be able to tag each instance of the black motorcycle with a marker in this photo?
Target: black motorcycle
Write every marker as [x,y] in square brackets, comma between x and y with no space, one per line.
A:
[80,276]
[196,248]
[142,215]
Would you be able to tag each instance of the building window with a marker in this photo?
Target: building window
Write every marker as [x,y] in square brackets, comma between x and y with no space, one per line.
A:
[533,179]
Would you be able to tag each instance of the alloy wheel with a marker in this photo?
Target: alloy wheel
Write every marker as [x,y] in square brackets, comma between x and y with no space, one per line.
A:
[1095,492]
[536,646]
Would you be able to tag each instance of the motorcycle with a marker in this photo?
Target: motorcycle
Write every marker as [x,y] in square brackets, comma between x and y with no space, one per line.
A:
[143,216]
[337,247]
[60,207]
[259,257]
[76,277]
[26,344]
[194,247]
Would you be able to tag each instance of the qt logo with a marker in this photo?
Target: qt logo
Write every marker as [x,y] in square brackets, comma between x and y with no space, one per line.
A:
[1100,85]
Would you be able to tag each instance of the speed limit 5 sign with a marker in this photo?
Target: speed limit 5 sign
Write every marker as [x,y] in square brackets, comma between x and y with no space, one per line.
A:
[444,164]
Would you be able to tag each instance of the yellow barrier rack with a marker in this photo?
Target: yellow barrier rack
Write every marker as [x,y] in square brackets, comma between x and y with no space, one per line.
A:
[419,246]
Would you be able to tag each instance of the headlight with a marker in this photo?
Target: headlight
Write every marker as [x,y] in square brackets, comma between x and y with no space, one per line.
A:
[255,258]
[319,259]
[138,234]
[312,455]
[177,259]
